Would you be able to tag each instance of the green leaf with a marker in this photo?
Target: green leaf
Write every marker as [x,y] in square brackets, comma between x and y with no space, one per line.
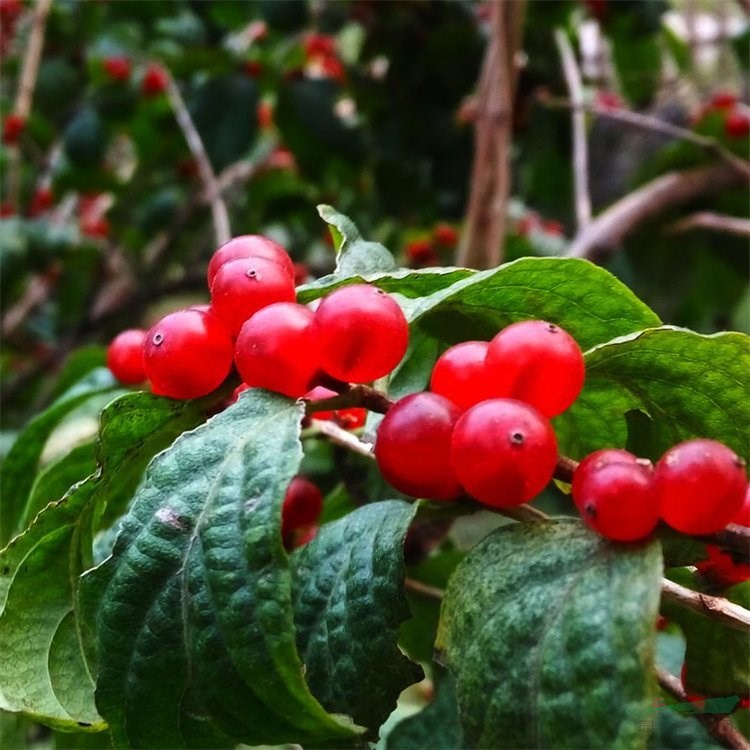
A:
[348,604]
[550,633]
[20,465]
[196,599]
[46,676]
[54,480]
[436,727]
[689,384]
[355,256]
[674,732]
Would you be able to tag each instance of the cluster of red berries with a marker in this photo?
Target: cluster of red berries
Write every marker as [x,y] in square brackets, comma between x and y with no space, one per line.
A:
[484,429]
[735,113]
[355,335]
[484,426]
[321,59]
[425,251]
[697,487]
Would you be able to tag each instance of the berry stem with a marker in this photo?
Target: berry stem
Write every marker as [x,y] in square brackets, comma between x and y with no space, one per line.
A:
[424,589]
[340,436]
[718,726]
[714,607]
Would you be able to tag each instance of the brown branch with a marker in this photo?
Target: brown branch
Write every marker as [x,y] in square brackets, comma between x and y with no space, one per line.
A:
[352,396]
[718,726]
[609,229]
[211,187]
[714,607]
[342,437]
[25,94]
[654,125]
[713,221]
[580,143]
[484,234]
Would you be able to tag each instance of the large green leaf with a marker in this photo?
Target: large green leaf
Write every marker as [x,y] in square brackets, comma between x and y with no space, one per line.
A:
[690,385]
[44,673]
[550,633]
[20,465]
[196,599]
[348,604]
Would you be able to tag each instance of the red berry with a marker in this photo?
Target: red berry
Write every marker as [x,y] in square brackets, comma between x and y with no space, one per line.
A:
[701,486]
[125,356]
[721,569]
[276,351]
[303,504]
[10,10]
[117,67]
[445,235]
[249,246]
[265,115]
[187,354]
[742,518]
[504,452]
[318,45]
[93,226]
[300,537]
[242,287]
[536,362]
[615,496]
[253,68]
[554,228]
[460,374]
[13,126]
[301,273]
[155,80]
[723,100]
[41,201]
[737,124]
[608,100]
[413,446]
[362,333]
[421,252]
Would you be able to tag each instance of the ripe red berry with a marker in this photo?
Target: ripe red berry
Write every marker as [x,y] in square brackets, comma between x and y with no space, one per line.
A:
[721,569]
[265,115]
[155,80]
[362,333]
[421,252]
[13,126]
[460,375]
[41,201]
[319,45]
[504,452]
[723,100]
[742,518]
[125,356]
[413,446]
[94,226]
[616,497]
[242,287]
[445,235]
[276,351]
[701,486]
[249,246]
[187,354]
[737,124]
[117,67]
[303,504]
[536,362]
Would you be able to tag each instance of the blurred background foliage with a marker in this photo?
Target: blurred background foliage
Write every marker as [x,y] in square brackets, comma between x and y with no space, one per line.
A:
[365,105]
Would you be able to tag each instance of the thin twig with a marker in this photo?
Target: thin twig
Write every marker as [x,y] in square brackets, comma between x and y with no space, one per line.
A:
[211,187]
[607,231]
[714,607]
[25,93]
[713,221]
[718,726]
[431,592]
[352,396]
[580,144]
[342,437]
[654,125]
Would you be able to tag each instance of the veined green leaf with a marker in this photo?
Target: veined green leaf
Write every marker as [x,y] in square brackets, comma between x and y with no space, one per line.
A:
[196,600]
[348,604]
[550,633]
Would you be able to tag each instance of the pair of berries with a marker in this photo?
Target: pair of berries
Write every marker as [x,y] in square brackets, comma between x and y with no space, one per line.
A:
[484,427]
[697,487]
[356,334]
